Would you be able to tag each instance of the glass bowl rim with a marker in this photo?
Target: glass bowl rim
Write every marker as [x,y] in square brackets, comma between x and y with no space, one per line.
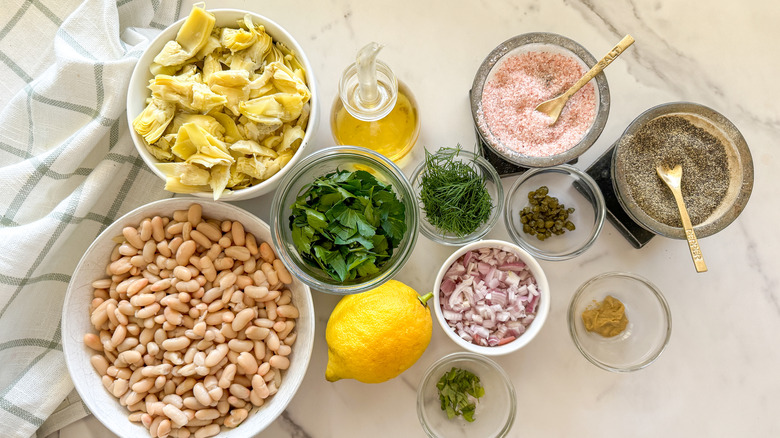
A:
[492,175]
[570,317]
[400,183]
[473,357]
[600,211]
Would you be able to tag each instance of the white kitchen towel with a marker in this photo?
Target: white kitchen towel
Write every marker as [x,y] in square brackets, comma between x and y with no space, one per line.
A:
[68,169]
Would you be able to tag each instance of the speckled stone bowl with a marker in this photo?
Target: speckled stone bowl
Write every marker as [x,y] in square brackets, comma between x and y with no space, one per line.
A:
[530,42]
[740,169]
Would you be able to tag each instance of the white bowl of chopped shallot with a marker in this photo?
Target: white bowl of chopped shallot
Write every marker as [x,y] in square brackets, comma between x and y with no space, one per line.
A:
[491,297]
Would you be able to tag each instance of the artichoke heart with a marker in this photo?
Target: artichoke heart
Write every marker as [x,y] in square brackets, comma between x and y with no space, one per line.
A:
[174,185]
[172,54]
[230,78]
[186,92]
[153,120]
[291,138]
[283,107]
[252,58]
[262,84]
[238,180]
[291,61]
[212,45]
[211,65]
[233,85]
[231,130]
[287,82]
[207,122]
[188,174]
[157,69]
[237,39]
[195,144]
[220,175]
[264,109]
[159,153]
[272,141]
[171,89]
[204,100]
[254,166]
[195,32]
[251,147]
[258,131]
[274,55]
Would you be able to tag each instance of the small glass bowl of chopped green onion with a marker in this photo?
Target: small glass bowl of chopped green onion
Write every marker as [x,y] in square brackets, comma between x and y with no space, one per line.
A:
[493,413]
[554,213]
[324,230]
[459,194]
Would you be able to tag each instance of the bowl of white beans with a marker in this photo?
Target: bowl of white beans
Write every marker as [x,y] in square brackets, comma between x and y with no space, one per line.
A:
[179,321]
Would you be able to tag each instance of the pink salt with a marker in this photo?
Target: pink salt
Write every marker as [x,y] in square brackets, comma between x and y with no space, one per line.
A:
[522,82]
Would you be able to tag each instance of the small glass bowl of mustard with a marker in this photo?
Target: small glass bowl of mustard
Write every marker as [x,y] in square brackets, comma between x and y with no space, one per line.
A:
[610,344]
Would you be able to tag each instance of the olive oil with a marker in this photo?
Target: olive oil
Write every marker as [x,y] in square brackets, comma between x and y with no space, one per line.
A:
[392,136]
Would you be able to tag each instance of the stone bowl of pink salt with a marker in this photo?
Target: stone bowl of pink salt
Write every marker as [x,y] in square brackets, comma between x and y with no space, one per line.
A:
[523,72]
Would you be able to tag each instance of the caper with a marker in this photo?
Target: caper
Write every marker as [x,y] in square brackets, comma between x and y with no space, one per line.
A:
[545,215]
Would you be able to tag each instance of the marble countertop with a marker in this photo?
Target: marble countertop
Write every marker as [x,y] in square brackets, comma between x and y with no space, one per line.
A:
[718,375]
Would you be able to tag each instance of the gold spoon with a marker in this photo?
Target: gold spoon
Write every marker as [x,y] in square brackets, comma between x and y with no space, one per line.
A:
[553,107]
[672,178]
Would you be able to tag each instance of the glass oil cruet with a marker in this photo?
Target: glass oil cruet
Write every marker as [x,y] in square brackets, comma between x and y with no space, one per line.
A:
[374,109]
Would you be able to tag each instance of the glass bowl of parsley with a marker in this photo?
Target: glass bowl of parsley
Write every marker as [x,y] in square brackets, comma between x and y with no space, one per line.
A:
[344,220]
[459,194]
[466,394]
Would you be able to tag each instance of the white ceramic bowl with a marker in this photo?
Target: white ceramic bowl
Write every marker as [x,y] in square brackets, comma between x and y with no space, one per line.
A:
[76,323]
[542,310]
[137,93]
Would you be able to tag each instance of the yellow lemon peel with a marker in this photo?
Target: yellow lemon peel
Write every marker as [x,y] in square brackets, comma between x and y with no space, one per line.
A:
[376,335]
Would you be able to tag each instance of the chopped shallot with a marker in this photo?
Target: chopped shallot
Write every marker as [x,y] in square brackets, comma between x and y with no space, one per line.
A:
[489,296]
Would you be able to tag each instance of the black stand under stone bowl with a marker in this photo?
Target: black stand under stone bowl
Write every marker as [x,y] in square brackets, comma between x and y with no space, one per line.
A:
[600,171]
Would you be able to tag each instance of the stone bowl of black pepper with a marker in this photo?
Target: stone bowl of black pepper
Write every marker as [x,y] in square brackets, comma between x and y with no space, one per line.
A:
[717,169]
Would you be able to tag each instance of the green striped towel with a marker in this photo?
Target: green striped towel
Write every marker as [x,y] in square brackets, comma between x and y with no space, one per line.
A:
[67,170]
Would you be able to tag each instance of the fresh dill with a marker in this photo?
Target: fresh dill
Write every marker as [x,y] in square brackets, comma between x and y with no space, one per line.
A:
[453,193]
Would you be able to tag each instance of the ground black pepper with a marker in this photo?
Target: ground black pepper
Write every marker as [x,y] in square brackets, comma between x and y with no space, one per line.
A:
[672,140]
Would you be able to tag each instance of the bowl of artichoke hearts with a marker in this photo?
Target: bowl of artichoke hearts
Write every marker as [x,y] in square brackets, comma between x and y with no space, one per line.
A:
[222,103]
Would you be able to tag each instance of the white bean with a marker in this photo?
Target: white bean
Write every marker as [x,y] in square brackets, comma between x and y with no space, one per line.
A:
[178,418]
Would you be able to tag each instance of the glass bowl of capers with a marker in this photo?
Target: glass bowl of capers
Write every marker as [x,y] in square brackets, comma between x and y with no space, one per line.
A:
[554,213]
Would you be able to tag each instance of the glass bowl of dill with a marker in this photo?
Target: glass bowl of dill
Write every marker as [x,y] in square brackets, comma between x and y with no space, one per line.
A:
[459,194]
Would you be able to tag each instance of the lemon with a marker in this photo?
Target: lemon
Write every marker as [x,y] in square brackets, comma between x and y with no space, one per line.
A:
[376,335]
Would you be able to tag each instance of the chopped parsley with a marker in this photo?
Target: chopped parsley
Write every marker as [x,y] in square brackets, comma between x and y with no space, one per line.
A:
[347,224]
[459,391]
